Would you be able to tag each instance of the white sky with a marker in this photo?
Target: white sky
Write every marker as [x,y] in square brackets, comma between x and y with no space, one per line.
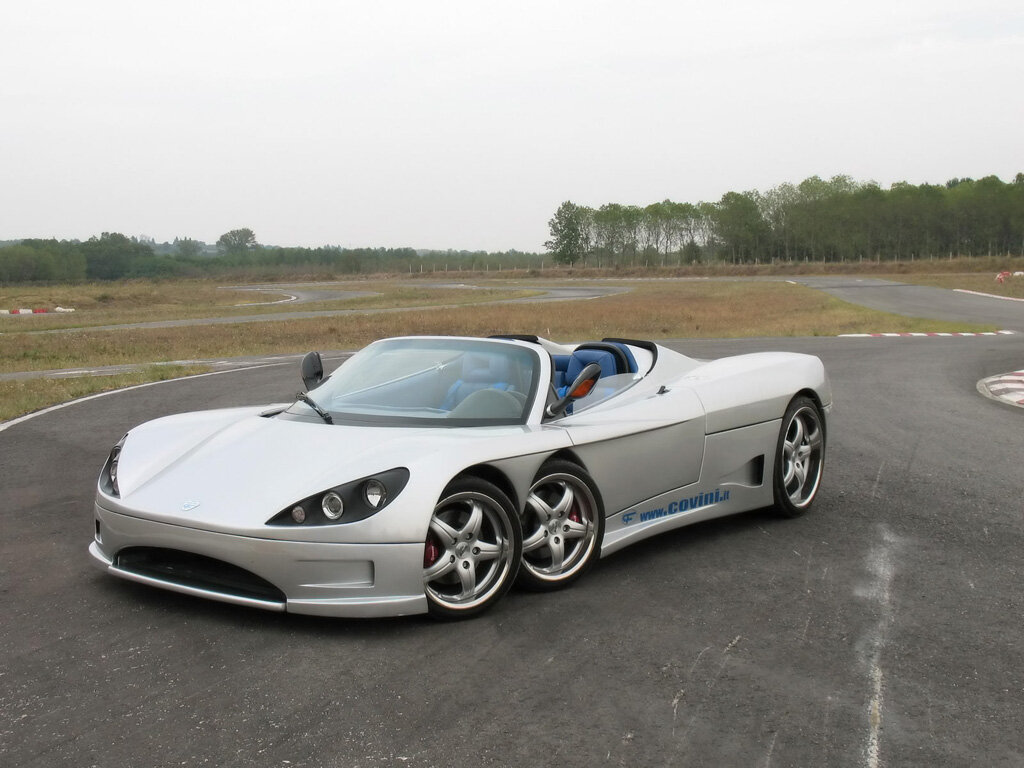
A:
[464,124]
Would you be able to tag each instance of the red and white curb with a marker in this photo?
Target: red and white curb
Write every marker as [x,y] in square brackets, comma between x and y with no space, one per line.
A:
[37,311]
[935,333]
[1007,388]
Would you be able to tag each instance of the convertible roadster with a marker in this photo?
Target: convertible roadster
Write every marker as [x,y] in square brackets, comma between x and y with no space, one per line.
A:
[428,474]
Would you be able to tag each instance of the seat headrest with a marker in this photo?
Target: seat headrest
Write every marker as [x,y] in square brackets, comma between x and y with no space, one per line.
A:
[583,357]
[491,369]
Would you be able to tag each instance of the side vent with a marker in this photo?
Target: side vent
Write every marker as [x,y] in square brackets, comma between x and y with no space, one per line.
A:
[750,474]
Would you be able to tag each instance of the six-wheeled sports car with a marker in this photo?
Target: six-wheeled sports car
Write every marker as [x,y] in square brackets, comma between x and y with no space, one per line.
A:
[430,473]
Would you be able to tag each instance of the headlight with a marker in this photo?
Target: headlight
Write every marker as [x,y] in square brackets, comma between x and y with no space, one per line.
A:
[332,505]
[375,493]
[108,475]
[346,503]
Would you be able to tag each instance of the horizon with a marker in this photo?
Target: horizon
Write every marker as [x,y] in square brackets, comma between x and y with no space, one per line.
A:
[450,125]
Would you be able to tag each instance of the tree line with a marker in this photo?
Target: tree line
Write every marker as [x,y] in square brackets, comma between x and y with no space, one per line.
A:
[115,256]
[815,220]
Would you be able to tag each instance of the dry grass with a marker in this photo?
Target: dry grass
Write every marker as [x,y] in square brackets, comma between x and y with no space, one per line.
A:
[934,265]
[24,396]
[659,310]
[654,310]
[133,301]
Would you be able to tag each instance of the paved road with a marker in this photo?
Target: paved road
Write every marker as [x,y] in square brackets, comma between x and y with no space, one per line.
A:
[882,629]
[921,300]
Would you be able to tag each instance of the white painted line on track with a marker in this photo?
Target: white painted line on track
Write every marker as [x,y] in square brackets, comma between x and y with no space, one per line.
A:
[927,334]
[882,567]
[77,373]
[29,416]
[268,303]
[987,295]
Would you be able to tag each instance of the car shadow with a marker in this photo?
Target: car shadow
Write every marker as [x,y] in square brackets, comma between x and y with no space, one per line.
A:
[175,608]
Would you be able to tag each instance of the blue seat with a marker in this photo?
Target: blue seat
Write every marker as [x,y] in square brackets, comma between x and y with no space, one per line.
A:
[559,365]
[478,372]
[580,359]
[627,353]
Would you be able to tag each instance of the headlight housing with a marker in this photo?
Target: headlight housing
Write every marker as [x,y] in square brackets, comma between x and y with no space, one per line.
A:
[108,475]
[346,503]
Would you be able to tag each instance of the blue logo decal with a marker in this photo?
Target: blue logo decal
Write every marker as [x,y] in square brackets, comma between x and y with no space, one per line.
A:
[188,506]
[685,504]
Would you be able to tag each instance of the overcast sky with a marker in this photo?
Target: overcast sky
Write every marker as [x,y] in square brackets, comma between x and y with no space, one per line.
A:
[465,124]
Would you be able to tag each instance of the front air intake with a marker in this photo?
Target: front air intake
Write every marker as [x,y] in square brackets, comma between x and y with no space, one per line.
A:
[186,569]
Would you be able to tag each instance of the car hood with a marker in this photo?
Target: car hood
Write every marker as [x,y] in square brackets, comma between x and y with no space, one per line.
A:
[234,470]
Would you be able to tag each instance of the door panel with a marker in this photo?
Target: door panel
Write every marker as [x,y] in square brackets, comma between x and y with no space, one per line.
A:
[643,448]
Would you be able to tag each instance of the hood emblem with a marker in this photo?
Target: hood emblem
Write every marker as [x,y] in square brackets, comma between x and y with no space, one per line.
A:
[188,506]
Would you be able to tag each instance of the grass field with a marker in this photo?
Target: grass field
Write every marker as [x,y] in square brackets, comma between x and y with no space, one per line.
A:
[143,301]
[651,309]
[26,395]
[982,266]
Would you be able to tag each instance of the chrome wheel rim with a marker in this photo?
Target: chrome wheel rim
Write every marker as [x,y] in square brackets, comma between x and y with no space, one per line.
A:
[466,556]
[802,449]
[559,531]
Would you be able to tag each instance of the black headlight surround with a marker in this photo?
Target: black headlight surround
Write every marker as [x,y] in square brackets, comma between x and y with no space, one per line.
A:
[352,494]
[108,475]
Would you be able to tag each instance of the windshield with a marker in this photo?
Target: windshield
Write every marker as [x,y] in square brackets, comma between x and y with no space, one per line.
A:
[431,382]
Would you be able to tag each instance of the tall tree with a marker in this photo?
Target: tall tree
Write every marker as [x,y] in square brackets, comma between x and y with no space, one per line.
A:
[187,248]
[112,256]
[740,226]
[568,233]
[237,241]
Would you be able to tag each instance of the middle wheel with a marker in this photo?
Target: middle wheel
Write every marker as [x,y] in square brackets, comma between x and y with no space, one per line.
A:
[563,524]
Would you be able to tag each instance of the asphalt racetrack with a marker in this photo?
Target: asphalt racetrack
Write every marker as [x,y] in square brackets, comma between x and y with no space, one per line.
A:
[882,629]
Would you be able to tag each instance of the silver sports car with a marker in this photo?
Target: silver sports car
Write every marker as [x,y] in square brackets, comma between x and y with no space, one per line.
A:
[430,473]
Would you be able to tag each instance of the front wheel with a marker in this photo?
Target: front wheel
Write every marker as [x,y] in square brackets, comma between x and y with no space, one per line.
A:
[471,554]
[563,524]
[799,458]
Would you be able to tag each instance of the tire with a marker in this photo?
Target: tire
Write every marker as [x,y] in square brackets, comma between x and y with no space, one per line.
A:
[472,549]
[799,457]
[563,525]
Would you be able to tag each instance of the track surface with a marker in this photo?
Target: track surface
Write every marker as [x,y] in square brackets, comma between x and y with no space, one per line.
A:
[884,628]
[920,300]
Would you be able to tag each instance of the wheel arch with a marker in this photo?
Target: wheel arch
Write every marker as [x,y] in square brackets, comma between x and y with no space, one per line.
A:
[814,397]
[515,476]
[568,455]
[494,476]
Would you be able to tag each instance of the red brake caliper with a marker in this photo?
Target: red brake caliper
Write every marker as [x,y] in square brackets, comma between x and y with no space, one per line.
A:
[431,552]
[574,513]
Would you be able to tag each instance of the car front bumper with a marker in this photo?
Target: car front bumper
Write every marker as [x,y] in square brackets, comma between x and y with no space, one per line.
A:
[325,579]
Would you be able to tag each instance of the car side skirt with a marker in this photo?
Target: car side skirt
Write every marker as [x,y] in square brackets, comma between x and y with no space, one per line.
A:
[736,476]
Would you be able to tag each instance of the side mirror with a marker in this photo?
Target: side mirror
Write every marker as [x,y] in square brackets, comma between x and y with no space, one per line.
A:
[581,387]
[312,368]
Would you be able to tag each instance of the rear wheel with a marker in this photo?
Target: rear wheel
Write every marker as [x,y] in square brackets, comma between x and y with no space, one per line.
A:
[799,458]
[471,554]
[563,523]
